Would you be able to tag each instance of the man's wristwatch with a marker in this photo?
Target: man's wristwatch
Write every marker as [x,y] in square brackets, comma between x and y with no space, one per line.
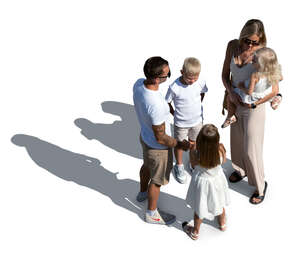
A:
[253,105]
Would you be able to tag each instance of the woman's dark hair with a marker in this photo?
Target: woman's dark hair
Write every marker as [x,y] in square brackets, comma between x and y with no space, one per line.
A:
[153,67]
[208,147]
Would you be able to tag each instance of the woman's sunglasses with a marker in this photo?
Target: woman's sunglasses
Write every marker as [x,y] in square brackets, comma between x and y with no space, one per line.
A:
[250,42]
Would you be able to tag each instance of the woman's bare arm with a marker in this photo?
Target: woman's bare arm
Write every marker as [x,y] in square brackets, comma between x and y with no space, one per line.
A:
[232,45]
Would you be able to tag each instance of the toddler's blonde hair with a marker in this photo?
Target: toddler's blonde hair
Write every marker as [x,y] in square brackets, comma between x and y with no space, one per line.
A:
[268,65]
[191,65]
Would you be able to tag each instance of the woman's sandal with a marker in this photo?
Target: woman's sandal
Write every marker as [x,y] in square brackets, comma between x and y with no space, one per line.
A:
[255,195]
[237,177]
[276,101]
[229,121]
[188,230]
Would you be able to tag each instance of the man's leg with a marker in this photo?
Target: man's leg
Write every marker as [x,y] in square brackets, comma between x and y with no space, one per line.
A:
[153,195]
[144,178]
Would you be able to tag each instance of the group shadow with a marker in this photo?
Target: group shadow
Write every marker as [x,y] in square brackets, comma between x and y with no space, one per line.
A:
[88,172]
[122,136]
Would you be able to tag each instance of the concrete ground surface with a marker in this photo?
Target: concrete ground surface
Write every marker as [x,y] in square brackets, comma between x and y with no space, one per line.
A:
[69,135]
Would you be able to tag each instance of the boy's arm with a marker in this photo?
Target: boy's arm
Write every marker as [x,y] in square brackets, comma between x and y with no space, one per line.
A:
[203,90]
[171,108]
[202,96]
[169,99]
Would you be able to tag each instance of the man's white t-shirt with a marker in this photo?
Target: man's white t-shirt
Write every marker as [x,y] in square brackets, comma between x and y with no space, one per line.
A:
[151,109]
[187,102]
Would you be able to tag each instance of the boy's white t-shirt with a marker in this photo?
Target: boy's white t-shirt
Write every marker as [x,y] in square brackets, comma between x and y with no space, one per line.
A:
[187,102]
[151,109]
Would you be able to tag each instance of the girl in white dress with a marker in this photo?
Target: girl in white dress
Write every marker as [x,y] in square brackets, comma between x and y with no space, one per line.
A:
[267,73]
[208,191]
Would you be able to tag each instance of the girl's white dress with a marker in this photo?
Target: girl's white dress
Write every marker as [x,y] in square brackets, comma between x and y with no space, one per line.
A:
[261,89]
[208,192]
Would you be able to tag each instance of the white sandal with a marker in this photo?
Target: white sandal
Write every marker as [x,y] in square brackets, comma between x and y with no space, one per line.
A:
[229,121]
[224,226]
[276,101]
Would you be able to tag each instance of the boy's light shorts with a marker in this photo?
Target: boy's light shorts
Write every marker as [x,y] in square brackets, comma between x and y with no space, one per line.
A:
[159,162]
[188,133]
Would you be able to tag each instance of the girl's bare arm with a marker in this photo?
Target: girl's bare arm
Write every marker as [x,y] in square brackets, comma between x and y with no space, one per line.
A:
[222,151]
[253,81]
[275,90]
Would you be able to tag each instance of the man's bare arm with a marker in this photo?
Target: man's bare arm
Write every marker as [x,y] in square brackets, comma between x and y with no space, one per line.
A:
[163,139]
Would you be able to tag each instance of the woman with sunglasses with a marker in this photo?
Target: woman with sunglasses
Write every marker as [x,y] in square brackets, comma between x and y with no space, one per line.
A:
[246,135]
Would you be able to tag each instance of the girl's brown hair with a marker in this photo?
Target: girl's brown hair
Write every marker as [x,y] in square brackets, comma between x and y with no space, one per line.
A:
[208,147]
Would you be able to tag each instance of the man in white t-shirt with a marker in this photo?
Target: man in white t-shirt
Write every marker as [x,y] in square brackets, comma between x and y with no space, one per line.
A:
[187,93]
[152,112]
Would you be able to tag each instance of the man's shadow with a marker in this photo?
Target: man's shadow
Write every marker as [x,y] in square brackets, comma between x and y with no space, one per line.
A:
[122,136]
[88,172]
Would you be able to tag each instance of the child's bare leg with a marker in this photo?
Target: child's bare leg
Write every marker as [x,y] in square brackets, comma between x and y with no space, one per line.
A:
[231,108]
[191,153]
[222,220]
[178,155]
[231,118]
[197,223]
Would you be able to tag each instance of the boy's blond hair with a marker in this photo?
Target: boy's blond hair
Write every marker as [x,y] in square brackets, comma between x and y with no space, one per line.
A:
[268,65]
[191,65]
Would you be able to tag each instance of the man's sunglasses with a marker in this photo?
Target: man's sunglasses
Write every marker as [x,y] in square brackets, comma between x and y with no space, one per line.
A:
[168,75]
[250,42]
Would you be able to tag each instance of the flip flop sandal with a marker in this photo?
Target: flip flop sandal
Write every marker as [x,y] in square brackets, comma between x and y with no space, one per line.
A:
[261,198]
[229,121]
[276,104]
[188,230]
[224,226]
[237,177]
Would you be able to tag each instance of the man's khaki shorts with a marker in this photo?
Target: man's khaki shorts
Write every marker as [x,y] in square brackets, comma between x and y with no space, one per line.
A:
[159,162]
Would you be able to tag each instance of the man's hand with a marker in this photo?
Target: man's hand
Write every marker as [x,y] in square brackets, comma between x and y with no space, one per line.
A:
[184,145]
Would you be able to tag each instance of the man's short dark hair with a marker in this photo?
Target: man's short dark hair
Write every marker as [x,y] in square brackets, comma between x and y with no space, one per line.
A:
[154,67]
